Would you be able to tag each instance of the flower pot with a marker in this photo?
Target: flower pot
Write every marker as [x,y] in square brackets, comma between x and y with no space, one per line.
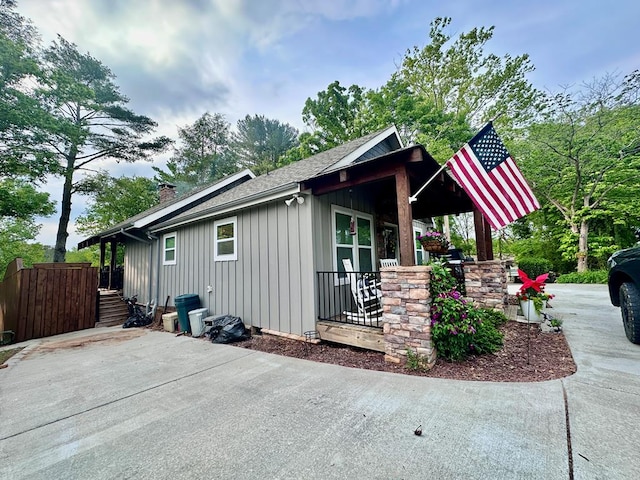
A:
[529,311]
[433,246]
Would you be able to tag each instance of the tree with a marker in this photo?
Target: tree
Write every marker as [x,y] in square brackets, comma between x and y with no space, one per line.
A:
[459,78]
[91,123]
[113,200]
[203,154]
[582,158]
[260,142]
[15,234]
[333,116]
[23,121]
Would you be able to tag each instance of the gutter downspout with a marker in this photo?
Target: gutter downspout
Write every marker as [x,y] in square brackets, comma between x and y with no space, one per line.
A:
[149,242]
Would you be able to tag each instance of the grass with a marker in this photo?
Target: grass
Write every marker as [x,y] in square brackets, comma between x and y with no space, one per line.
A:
[7,354]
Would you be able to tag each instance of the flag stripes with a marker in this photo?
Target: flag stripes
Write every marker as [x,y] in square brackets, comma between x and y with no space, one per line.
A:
[500,193]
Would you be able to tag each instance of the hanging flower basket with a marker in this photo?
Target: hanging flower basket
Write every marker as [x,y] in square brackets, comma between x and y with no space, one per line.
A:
[434,246]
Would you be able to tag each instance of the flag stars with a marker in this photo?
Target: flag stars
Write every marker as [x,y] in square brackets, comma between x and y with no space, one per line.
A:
[489,149]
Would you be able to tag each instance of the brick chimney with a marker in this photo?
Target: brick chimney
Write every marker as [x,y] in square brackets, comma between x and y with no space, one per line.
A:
[167,192]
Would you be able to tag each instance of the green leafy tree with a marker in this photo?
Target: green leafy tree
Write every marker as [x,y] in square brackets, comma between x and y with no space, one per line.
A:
[333,117]
[92,122]
[458,77]
[582,159]
[113,200]
[260,142]
[16,241]
[203,154]
[23,121]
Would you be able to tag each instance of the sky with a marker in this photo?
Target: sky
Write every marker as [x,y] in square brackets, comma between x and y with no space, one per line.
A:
[177,59]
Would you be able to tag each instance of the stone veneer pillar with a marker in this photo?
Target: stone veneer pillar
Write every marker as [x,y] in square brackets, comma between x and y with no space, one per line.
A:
[486,284]
[406,313]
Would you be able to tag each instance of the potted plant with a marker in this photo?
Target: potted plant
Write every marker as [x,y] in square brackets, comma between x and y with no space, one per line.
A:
[433,241]
[532,297]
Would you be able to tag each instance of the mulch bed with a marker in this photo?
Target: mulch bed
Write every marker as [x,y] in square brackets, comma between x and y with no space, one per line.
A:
[528,355]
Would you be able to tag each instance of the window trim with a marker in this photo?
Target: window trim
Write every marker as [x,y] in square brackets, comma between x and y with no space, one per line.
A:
[165,249]
[355,245]
[227,257]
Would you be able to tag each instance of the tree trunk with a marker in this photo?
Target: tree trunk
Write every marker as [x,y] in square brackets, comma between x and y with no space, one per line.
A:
[60,251]
[583,247]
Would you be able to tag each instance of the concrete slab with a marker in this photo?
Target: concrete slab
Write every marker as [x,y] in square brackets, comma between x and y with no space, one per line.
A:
[138,404]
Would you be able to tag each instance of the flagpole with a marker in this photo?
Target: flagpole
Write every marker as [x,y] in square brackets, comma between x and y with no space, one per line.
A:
[414,197]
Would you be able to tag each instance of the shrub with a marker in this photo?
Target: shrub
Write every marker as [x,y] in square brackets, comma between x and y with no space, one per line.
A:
[534,266]
[592,276]
[487,339]
[495,317]
[452,325]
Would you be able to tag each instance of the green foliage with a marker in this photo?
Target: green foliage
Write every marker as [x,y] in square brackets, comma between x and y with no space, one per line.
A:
[260,143]
[494,317]
[202,156]
[457,327]
[457,77]
[582,159]
[16,235]
[90,255]
[415,361]
[20,199]
[487,338]
[113,200]
[333,116]
[534,266]
[590,276]
[442,281]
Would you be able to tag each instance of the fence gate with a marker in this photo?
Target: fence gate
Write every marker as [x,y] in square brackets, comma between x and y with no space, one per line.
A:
[48,299]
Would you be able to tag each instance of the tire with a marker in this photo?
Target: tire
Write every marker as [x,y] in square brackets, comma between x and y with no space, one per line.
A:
[630,309]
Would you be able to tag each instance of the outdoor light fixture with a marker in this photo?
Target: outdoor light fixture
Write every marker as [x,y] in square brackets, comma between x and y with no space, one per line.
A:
[294,198]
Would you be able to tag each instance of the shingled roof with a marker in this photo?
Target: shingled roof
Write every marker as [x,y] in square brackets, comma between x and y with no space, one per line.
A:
[281,179]
[290,175]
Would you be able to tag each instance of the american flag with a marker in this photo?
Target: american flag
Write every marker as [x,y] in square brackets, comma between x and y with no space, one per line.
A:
[486,171]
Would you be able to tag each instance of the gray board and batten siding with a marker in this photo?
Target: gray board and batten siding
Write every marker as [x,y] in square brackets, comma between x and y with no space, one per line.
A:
[270,285]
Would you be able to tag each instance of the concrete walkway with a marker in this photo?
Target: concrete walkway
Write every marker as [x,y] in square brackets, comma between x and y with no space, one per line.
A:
[113,403]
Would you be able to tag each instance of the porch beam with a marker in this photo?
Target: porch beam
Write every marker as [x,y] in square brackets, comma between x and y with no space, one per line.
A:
[405,218]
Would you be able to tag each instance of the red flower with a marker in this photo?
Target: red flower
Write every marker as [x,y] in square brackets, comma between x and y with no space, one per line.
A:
[527,283]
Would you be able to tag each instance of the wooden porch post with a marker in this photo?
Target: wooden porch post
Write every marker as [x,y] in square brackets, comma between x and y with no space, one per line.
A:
[484,245]
[112,264]
[102,253]
[405,218]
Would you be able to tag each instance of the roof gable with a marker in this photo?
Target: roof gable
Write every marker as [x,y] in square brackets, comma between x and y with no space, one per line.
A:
[166,210]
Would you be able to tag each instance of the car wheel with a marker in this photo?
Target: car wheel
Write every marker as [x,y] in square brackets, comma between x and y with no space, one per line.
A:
[630,309]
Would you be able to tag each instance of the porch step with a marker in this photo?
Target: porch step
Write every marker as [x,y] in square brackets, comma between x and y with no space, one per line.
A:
[112,310]
[369,338]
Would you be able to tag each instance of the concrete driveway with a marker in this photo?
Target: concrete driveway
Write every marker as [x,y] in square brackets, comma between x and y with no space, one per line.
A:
[113,403]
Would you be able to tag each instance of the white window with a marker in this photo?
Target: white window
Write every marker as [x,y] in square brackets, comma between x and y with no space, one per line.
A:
[353,241]
[225,240]
[169,249]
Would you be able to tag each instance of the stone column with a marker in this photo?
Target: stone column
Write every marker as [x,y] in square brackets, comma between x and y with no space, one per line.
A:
[486,284]
[406,313]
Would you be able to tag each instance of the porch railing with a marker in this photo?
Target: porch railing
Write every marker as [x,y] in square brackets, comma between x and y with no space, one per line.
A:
[341,301]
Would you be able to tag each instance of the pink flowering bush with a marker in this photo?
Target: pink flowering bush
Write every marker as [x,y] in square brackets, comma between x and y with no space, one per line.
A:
[458,328]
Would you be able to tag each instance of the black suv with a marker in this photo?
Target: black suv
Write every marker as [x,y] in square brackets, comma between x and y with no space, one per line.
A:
[624,289]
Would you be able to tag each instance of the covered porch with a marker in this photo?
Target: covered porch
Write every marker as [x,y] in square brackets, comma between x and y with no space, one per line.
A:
[387,183]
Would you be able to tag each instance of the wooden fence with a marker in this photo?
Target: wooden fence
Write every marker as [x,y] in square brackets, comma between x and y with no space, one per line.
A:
[48,299]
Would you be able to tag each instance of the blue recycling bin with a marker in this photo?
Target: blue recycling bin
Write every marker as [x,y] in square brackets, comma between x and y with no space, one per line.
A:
[184,304]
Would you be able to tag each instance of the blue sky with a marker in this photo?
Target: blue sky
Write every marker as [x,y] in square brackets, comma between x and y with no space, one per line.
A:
[177,59]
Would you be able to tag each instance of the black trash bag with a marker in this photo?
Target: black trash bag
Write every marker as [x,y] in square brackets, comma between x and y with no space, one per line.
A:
[227,329]
[136,321]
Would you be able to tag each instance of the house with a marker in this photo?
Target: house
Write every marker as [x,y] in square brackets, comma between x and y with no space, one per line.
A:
[255,247]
